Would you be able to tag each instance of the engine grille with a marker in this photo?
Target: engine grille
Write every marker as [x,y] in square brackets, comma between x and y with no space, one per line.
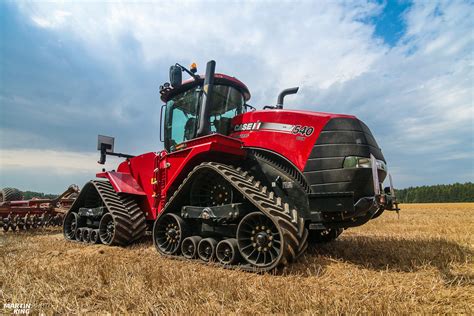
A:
[342,137]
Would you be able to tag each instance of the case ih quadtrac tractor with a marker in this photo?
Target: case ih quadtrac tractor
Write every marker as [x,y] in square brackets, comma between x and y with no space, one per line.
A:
[234,185]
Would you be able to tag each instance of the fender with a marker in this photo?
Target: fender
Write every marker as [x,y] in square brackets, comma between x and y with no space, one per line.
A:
[122,182]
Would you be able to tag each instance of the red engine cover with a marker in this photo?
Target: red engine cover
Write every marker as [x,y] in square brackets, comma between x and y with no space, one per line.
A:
[289,133]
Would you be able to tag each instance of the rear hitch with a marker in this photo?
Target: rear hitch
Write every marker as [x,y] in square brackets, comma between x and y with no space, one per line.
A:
[385,198]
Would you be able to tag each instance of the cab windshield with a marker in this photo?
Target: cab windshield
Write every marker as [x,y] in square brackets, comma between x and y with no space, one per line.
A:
[182,112]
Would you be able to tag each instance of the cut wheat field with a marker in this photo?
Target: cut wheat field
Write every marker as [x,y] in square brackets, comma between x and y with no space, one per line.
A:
[419,263]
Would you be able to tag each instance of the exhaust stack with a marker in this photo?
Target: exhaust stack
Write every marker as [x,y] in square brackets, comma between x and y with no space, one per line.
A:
[204,124]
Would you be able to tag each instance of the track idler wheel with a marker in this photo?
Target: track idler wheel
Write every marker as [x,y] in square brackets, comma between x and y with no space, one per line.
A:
[168,233]
[207,249]
[189,246]
[94,236]
[107,229]
[259,240]
[70,225]
[227,251]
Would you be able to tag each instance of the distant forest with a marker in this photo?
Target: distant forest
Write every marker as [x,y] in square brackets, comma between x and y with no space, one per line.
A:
[28,195]
[457,192]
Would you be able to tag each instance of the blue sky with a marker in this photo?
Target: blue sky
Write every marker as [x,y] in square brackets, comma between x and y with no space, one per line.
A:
[70,70]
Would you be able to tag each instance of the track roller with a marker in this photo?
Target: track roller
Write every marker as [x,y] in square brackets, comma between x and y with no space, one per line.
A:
[227,251]
[79,233]
[70,226]
[168,233]
[94,236]
[207,249]
[189,246]
[86,235]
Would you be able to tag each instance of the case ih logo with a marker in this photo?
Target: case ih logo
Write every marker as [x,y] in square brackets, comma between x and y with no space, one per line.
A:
[279,127]
[247,126]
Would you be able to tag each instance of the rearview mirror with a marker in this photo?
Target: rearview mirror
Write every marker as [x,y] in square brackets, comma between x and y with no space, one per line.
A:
[175,76]
[106,145]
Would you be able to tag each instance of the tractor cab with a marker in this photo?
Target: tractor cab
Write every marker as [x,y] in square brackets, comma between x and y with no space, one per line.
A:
[201,106]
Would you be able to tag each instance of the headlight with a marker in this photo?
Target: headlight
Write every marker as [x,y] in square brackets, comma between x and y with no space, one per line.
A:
[362,162]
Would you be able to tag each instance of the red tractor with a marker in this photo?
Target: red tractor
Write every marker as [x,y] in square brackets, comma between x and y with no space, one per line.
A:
[235,185]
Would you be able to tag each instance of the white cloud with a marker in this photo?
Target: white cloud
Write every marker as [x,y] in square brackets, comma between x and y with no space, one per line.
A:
[55,19]
[416,96]
[313,44]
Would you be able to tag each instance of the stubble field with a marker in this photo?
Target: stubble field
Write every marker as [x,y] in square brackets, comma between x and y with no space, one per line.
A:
[420,263]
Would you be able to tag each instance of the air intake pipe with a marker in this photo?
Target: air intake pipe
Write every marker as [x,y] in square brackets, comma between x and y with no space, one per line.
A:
[283,94]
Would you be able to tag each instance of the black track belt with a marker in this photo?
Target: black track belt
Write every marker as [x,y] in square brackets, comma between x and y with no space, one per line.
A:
[129,219]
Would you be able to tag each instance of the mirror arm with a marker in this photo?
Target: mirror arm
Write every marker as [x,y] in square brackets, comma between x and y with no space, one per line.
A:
[104,153]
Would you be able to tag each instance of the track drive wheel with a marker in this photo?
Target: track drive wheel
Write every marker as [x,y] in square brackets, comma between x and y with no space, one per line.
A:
[260,240]
[168,233]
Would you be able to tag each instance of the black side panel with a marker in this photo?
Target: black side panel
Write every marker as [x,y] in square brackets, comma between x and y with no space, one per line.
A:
[342,137]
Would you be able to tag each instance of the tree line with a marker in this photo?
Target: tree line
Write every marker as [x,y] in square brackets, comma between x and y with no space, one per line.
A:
[457,192]
[28,195]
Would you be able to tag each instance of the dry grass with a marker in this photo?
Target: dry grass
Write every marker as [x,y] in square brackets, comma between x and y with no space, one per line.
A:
[421,263]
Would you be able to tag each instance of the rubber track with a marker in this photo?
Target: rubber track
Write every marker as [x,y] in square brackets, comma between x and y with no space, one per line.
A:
[130,224]
[294,233]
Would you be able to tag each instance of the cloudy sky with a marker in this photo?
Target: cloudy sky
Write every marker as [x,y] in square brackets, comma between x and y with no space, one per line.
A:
[70,70]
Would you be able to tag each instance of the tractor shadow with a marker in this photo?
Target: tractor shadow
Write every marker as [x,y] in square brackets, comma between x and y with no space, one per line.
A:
[388,254]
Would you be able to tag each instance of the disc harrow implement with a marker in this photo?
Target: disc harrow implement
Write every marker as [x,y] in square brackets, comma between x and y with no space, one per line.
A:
[17,214]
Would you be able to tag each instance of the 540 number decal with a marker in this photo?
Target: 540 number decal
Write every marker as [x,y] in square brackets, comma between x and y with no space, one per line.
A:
[302,130]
